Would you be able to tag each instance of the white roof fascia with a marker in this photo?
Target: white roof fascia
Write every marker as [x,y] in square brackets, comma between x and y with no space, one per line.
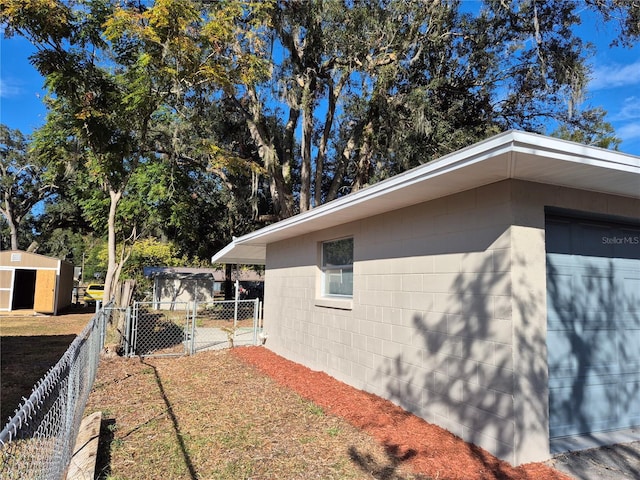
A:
[512,154]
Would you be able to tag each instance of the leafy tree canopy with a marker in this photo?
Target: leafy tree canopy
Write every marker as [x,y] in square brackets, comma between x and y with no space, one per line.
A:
[194,121]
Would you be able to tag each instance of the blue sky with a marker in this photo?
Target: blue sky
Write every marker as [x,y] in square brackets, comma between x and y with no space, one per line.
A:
[615,85]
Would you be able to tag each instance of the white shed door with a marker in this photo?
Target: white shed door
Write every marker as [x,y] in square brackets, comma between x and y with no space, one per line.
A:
[593,336]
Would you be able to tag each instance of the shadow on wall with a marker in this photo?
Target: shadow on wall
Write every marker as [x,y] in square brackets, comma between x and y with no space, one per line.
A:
[466,363]
[468,379]
[186,288]
[594,359]
[593,286]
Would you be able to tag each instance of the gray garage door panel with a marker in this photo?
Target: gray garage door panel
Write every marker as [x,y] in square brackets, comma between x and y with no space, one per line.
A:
[593,337]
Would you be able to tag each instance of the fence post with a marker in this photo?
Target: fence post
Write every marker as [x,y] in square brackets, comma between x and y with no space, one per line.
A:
[127,331]
[256,307]
[194,316]
[235,310]
[134,329]
[102,325]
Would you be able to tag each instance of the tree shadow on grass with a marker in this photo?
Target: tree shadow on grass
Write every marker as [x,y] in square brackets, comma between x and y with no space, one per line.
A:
[174,422]
[157,332]
[24,360]
[383,470]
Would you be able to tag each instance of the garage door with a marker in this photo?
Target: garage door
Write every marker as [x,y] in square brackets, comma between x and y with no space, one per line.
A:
[593,337]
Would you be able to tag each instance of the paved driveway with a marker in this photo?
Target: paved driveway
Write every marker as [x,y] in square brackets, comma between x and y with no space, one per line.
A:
[614,462]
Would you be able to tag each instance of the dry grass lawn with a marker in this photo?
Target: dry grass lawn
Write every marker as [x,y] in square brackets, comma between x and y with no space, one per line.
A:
[212,416]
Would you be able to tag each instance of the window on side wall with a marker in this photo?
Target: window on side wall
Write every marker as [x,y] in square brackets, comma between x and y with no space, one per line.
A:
[337,268]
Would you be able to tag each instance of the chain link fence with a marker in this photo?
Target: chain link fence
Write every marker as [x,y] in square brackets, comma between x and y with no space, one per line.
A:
[177,328]
[38,441]
[158,329]
[225,323]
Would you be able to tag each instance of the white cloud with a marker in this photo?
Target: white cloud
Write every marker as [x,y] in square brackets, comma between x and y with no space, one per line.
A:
[630,131]
[615,75]
[629,111]
[8,90]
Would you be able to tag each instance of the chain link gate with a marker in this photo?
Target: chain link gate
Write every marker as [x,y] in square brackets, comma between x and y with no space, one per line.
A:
[159,329]
[225,323]
[181,328]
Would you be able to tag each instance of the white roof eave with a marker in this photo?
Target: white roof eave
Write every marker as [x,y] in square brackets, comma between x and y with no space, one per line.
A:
[512,154]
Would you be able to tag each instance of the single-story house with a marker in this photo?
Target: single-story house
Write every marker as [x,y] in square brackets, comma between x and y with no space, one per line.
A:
[494,292]
[186,284]
[29,281]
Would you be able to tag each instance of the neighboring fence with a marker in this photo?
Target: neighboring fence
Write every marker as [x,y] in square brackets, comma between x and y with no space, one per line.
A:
[38,441]
[174,329]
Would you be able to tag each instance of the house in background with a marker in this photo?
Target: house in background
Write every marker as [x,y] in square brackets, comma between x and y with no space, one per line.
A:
[186,284]
[494,292]
[29,281]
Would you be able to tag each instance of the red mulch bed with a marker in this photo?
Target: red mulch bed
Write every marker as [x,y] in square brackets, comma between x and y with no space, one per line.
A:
[428,449]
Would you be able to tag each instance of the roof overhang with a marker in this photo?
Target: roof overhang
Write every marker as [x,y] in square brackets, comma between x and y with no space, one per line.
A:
[510,155]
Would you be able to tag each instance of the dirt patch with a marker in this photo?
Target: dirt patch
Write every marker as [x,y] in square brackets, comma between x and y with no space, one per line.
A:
[426,448]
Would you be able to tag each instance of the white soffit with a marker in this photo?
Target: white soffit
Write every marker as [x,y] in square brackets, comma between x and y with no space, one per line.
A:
[512,154]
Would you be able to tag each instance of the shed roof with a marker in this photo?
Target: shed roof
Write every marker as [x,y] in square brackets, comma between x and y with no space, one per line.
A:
[509,155]
[23,259]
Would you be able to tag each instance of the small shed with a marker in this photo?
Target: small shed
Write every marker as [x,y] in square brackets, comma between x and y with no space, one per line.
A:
[494,292]
[29,281]
[188,284]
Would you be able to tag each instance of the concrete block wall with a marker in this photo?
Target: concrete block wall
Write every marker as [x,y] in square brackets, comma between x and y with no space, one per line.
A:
[430,323]
[448,317]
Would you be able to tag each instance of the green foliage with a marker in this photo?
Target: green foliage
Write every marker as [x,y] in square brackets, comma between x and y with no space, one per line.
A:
[147,252]
[197,121]
[600,135]
[25,180]
[95,263]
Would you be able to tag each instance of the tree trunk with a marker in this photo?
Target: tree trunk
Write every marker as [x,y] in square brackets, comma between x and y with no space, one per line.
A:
[112,265]
[228,283]
[268,153]
[363,173]
[324,140]
[282,197]
[14,234]
[344,159]
[307,133]
[7,213]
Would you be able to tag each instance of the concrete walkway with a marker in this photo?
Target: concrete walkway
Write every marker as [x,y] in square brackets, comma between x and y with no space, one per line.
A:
[614,462]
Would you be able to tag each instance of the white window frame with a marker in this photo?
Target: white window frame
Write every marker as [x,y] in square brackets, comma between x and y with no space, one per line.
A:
[335,270]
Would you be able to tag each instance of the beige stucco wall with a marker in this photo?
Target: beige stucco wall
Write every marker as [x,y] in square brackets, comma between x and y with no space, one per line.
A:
[448,317]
